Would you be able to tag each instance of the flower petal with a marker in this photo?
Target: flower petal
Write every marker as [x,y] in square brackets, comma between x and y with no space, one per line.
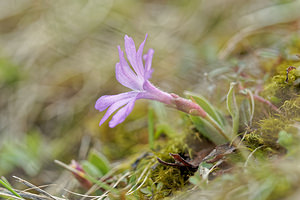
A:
[131,54]
[114,107]
[139,57]
[121,115]
[126,77]
[105,101]
[148,63]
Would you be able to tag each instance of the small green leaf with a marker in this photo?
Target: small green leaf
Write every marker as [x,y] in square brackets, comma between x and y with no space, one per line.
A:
[91,169]
[285,139]
[159,186]
[146,191]
[99,160]
[209,109]
[245,112]
[252,105]
[233,109]
[206,165]
[207,130]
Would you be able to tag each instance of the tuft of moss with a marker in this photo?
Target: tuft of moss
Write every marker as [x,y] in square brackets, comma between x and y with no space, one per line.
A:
[161,180]
[291,109]
[284,94]
[279,90]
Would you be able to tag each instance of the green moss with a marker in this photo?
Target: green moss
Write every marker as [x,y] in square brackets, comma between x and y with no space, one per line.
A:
[285,95]
[268,129]
[291,109]
[162,180]
[278,90]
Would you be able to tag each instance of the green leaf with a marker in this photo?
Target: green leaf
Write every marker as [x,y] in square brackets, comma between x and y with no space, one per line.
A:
[99,161]
[91,169]
[146,191]
[245,112]
[207,130]
[247,107]
[209,109]
[233,109]
[8,187]
[285,139]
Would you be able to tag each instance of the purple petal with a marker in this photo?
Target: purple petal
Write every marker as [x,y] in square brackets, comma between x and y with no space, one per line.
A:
[148,63]
[114,107]
[105,101]
[120,116]
[126,77]
[139,57]
[131,54]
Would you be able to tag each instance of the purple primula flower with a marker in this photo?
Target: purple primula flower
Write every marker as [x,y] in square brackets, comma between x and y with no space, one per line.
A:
[137,79]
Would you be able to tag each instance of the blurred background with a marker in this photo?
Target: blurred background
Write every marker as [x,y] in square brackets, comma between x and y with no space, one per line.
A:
[58,57]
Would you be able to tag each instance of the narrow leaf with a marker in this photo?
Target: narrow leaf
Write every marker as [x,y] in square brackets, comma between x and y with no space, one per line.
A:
[99,160]
[91,169]
[209,109]
[233,109]
[8,187]
[207,130]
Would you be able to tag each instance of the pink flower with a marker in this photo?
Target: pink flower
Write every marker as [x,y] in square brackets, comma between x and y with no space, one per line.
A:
[137,79]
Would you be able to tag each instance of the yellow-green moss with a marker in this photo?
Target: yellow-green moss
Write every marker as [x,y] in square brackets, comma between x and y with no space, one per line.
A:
[163,180]
[278,90]
[285,95]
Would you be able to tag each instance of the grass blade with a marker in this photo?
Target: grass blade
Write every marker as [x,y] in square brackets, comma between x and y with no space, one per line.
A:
[151,128]
[8,187]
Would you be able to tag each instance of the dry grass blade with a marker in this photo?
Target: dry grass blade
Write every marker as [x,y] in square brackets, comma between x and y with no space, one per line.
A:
[115,185]
[6,193]
[35,188]
[96,187]
[41,186]
[139,179]
[145,179]
[86,176]
[26,195]
[78,194]
[250,155]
